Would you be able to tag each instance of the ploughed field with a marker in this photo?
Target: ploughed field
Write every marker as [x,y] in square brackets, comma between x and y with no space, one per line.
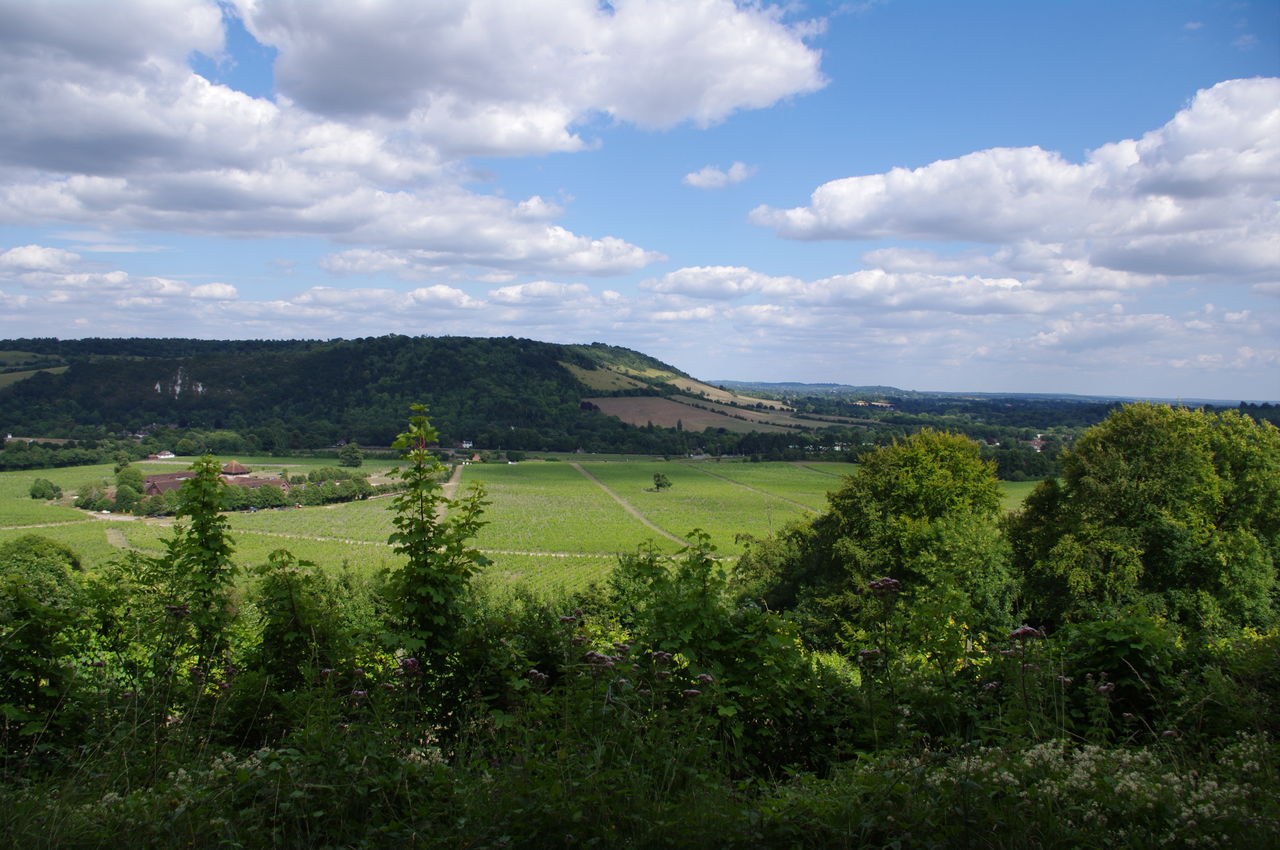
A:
[550,522]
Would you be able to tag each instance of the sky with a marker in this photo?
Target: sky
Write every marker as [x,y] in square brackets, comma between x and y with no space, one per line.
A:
[1065,197]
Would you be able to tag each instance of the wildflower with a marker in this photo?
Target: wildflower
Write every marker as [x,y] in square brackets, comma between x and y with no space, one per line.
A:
[177,611]
[1066,680]
[579,639]
[691,692]
[660,656]
[568,618]
[622,648]
[1106,687]
[326,672]
[1024,633]
[359,694]
[410,666]
[706,678]
[387,686]
[359,671]
[990,686]
[865,654]
[196,673]
[1169,733]
[98,663]
[1031,667]
[885,586]
[538,675]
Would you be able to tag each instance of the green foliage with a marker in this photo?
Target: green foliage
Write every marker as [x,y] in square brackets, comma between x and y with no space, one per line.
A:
[199,557]
[661,481]
[350,455]
[923,512]
[131,476]
[302,628]
[440,560]
[38,599]
[1162,509]
[43,488]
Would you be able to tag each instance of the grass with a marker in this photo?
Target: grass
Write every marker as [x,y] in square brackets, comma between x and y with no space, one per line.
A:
[10,378]
[549,526]
[699,500]
[784,480]
[1014,493]
[552,507]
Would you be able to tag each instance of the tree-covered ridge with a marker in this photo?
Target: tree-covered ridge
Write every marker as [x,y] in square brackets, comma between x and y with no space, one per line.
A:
[352,390]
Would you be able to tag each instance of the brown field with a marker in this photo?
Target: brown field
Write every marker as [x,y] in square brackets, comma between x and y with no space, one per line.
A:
[667,412]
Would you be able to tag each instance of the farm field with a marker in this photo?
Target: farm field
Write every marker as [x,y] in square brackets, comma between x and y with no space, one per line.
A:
[721,508]
[552,507]
[549,523]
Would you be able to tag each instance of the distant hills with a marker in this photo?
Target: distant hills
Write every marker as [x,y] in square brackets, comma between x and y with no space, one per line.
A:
[313,393]
[792,388]
[283,395]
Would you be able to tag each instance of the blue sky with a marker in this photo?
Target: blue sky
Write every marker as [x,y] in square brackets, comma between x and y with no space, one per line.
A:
[994,196]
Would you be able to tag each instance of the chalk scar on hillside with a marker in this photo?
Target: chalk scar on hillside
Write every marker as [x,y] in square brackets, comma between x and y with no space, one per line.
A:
[628,507]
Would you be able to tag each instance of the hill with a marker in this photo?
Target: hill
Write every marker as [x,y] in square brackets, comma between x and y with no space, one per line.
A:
[308,393]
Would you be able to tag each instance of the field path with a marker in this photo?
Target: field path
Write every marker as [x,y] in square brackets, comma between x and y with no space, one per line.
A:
[627,506]
[47,524]
[450,487]
[804,465]
[755,489]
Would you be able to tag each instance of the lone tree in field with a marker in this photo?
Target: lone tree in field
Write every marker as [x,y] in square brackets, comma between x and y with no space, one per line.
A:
[350,455]
[660,482]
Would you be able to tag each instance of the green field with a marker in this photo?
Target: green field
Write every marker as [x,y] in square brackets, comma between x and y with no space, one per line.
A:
[548,523]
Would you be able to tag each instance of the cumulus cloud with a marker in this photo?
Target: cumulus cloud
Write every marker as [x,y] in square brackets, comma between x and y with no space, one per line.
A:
[711,177]
[1193,197]
[109,127]
[534,69]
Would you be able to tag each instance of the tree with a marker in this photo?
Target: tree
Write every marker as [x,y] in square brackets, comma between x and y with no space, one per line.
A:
[43,488]
[434,536]
[126,498]
[923,512]
[199,556]
[350,455]
[660,481]
[131,476]
[1162,510]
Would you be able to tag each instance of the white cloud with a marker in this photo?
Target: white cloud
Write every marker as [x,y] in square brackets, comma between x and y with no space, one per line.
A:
[1195,197]
[718,282]
[711,177]
[37,258]
[531,70]
[109,128]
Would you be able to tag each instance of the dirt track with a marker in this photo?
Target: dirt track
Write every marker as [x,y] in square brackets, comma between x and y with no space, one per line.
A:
[627,506]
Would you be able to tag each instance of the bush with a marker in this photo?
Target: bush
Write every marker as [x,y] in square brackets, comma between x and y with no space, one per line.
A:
[43,488]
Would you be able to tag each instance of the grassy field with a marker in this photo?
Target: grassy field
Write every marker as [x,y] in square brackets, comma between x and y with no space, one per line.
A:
[549,524]
[551,507]
[721,508]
